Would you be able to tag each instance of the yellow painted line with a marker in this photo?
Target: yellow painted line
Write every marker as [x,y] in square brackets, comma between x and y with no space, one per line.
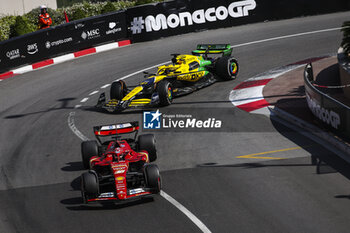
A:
[255,156]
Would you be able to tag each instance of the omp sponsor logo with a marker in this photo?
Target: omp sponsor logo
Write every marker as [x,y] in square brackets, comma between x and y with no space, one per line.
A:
[162,22]
[327,116]
[113,28]
[32,48]
[13,54]
[192,123]
[92,34]
[49,44]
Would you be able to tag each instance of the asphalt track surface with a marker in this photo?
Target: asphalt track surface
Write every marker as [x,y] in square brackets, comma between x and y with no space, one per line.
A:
[40,155]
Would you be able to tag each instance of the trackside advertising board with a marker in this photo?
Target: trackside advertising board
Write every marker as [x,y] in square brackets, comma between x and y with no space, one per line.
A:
[178,17]
[68,37]
[169,18]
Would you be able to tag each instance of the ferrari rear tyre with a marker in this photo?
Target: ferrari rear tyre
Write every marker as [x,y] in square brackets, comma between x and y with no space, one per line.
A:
[88,150]
[165,92]
[152,176]
[89,183]
[226,68]
[118,90]
[147,142]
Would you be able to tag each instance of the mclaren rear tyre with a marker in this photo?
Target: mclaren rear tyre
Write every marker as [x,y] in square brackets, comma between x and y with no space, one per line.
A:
[165,92]
[88,150]
[118,90]
[147,142]
[226,68]
[89,185]
[152,176]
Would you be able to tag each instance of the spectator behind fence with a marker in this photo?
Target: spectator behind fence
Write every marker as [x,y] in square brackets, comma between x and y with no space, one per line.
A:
[44,18]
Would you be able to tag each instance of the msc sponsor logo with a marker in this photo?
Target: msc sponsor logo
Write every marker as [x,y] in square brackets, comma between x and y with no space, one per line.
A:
[92,34]
[327,116]
[162,22]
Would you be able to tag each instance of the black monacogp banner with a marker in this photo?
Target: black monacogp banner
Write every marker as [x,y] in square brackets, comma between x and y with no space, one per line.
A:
[164,19]
[182,16]
[69,37]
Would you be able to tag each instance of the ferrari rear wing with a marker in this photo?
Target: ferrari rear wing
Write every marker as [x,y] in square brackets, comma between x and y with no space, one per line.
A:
[115,129]
[224,49]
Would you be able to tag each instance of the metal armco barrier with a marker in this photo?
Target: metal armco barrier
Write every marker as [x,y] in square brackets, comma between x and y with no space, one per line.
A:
[333,114]
[69,37]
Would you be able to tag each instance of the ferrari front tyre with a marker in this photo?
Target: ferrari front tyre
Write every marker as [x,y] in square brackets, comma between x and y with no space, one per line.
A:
[226,68]
[89,185]
[147,142]
[165,92]
[152,176]
[88,150]
[118,90]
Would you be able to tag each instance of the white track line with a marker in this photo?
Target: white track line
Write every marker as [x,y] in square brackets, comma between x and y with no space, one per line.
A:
[93,93]
[188,213]
[105,86]
[84,100]
[74,129]
[286,36]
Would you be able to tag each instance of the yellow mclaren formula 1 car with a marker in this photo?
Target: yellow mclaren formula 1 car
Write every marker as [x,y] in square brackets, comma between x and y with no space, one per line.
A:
[187,73]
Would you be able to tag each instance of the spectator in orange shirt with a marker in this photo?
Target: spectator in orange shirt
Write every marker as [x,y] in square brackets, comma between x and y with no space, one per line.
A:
[44,18]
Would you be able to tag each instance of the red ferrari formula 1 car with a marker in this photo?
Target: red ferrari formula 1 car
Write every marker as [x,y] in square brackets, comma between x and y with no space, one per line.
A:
[120,167]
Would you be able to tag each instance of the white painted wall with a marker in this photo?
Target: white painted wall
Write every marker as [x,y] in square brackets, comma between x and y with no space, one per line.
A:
[20,7]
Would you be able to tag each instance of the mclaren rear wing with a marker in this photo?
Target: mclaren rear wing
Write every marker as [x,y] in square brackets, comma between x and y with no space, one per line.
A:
[113,130]
[224,49]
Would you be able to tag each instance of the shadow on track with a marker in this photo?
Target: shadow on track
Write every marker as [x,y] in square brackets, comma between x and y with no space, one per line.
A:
[73,166]
[326,161]
[103,111]
[75,204]
[64,105]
